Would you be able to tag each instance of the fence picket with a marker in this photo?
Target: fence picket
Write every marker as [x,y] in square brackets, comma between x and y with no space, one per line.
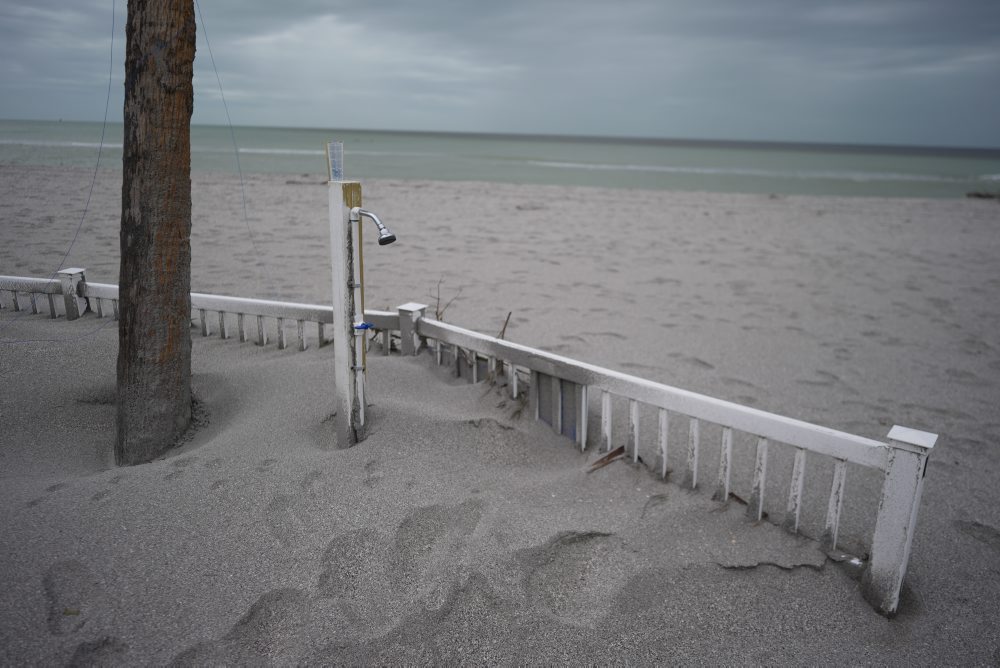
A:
[664,424]
[725,465]
[794,507]
[834,505]
[691,475]
[755,509]
[605,421]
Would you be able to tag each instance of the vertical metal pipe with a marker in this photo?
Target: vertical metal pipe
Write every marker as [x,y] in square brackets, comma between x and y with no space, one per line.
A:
[205,329]
[241,327]
[223,331]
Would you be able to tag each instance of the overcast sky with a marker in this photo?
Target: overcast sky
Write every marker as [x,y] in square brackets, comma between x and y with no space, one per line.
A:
[869,71]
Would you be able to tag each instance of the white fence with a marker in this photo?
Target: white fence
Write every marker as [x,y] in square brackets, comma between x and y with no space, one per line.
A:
[560,391]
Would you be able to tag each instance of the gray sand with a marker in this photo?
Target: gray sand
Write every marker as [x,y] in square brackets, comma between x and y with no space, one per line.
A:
[460,530]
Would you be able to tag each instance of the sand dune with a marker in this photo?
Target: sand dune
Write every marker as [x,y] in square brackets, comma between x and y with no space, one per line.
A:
[461,531]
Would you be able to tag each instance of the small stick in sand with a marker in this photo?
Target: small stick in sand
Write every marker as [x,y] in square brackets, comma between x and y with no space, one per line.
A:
[617,453]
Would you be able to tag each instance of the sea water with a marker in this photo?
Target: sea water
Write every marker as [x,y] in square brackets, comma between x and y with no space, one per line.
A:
[814,169]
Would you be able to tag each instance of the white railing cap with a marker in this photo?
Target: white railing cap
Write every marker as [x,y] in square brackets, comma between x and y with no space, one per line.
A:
[921,439]
[411,307]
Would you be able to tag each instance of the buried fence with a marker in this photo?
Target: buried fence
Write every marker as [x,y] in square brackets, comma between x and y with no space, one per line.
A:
[559,391]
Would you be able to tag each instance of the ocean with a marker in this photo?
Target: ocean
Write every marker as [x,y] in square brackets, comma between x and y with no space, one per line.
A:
[814,169]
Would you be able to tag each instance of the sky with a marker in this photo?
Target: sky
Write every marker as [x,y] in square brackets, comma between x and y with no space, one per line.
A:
[913,72]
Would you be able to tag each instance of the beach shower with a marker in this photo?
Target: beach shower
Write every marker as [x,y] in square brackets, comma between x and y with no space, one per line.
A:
[350,335]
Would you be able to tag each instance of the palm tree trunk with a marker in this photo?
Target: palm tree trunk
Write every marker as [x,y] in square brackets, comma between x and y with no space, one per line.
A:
[154,332]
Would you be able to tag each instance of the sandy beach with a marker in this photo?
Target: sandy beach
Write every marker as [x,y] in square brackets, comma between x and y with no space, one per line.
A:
[461,531]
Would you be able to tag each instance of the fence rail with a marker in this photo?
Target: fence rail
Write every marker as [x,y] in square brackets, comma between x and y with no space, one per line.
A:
[560,395]
[79,295]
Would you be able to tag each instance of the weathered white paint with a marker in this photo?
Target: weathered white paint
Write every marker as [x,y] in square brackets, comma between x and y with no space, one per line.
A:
[633,428]
[71,281]
[261,331]
[408,314]
[300,332]
[834,505]
[755,508]
[896,520]
[556,404]
[606,421]
[282,343]
[691,474]
[725,465]
[794,508]
[664,429]
[536,404]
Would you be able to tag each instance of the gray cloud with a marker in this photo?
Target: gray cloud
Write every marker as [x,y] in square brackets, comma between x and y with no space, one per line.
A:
[885,71]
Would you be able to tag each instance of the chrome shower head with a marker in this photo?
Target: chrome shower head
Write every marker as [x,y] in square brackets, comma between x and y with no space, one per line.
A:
[385,237]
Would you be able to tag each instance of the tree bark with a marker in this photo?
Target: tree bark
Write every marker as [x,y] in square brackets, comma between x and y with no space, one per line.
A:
[154,331]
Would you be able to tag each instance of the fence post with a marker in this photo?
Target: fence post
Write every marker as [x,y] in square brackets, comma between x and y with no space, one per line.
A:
[348,373]
[409,313]
[897,517]
[71,280]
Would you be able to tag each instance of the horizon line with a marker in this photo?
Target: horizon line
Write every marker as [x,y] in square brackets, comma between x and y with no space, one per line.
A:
[833,146]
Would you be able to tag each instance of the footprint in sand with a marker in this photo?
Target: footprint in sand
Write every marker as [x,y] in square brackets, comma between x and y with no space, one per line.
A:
[574,575]
[355,574]
[274,631]
[72,591]
[430,545]
[372,473]
[104,651]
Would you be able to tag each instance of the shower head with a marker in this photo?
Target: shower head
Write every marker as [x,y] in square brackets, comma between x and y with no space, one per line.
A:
[385,237]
